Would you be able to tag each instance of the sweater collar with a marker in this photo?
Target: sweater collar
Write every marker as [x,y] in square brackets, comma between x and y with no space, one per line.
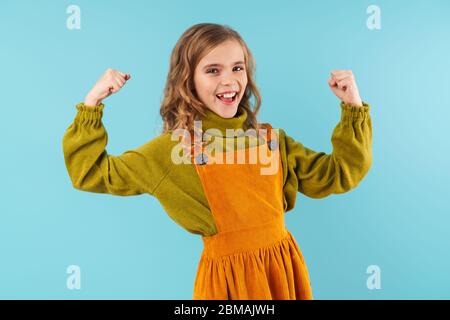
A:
[213,120]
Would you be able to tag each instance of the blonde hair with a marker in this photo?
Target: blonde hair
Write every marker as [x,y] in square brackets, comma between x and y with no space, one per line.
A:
[181,105]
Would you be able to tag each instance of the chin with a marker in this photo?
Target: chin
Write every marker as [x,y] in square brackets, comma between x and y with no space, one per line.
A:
[226,111]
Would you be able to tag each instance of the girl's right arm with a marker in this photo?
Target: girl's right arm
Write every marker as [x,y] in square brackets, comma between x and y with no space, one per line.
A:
[89,165]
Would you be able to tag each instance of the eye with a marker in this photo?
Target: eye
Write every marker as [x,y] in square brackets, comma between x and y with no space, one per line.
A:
[212,69]
[209,70]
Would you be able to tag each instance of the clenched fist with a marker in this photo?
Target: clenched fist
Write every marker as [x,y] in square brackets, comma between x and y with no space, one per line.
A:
[343,85]
[110,82]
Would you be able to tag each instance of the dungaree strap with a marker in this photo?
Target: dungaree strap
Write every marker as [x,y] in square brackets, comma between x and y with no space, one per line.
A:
[201,157]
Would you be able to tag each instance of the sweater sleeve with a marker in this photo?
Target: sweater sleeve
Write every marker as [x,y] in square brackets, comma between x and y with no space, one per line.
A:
[92,169]
[318,174]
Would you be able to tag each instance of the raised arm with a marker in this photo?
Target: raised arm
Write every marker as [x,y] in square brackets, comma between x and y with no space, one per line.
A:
[92,169]
[89,165]
[319,174]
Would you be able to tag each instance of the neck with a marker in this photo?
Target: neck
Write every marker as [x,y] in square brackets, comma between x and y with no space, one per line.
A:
[212,120]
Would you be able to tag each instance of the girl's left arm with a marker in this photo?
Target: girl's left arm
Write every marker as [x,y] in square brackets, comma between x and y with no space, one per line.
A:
[317,174]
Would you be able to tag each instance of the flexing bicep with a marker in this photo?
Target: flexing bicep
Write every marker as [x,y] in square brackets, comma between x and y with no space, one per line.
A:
[320,174]
[92,169]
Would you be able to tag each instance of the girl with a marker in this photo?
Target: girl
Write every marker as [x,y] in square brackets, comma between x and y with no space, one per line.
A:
[238,211]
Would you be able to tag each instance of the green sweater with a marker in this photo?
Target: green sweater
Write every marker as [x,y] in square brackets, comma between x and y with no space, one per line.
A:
[149,168]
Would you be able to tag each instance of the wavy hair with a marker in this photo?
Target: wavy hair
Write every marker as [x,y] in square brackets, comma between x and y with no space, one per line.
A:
[181,105]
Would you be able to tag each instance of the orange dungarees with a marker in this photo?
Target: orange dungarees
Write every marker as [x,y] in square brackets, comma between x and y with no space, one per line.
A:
[253,256]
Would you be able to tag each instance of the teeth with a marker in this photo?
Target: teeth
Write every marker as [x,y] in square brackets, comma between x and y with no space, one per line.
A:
[227,95]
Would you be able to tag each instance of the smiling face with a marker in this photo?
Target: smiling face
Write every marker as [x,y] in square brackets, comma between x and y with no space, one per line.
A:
[222,70]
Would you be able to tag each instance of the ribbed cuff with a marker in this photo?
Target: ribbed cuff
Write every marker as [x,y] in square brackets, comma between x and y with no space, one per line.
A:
[88,112]
[350,111]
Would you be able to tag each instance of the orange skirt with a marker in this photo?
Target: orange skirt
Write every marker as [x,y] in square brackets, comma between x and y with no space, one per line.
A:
[261,263]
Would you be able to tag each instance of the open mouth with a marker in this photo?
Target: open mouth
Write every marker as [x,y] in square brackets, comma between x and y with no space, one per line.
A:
[227,98]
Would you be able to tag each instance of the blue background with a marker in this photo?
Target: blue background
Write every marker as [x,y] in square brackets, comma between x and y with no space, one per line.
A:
[128,247]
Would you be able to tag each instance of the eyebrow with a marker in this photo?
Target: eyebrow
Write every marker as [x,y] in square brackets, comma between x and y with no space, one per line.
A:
[219,65]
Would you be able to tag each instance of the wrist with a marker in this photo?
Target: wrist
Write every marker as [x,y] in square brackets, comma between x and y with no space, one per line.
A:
[91,101]
[357,103]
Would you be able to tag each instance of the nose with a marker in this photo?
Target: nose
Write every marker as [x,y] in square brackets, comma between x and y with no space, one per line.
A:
[229,79]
